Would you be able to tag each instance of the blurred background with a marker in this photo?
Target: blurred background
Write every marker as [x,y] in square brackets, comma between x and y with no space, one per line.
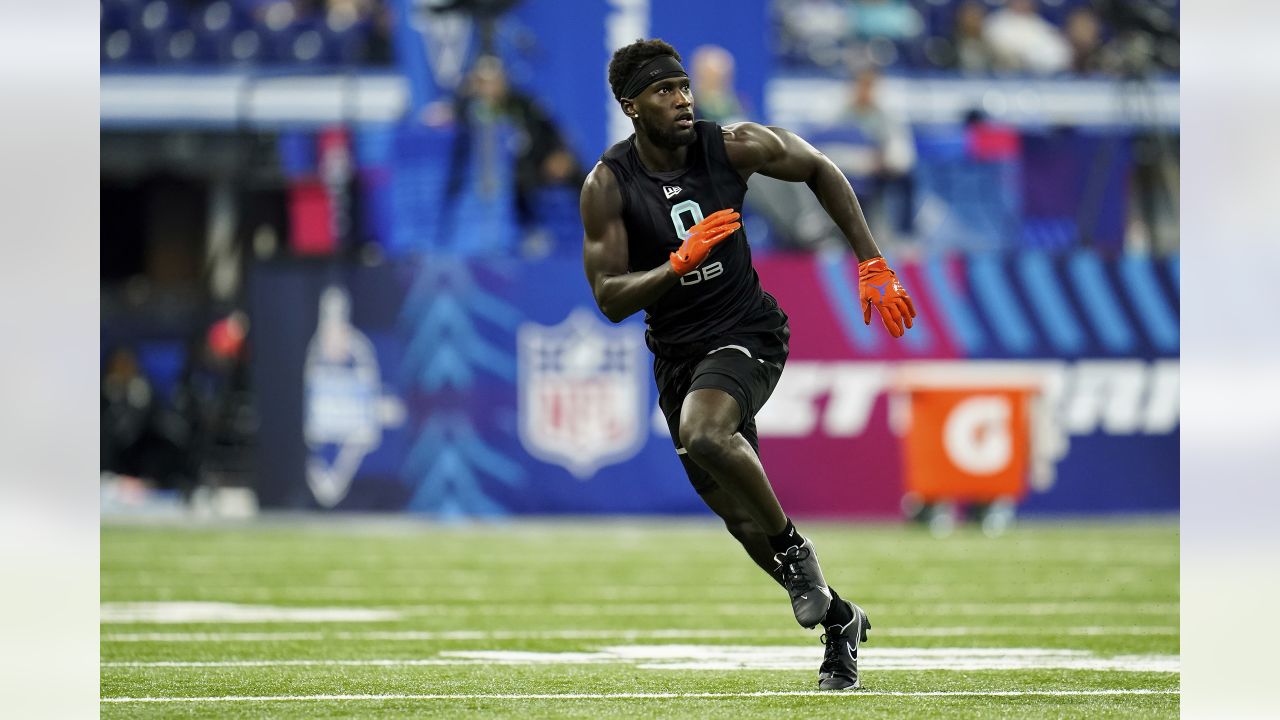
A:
[341,262]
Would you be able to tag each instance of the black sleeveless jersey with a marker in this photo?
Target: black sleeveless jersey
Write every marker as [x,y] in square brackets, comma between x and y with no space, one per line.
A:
[721,302]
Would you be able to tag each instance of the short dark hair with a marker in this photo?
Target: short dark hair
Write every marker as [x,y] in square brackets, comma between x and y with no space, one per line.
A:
[629,57]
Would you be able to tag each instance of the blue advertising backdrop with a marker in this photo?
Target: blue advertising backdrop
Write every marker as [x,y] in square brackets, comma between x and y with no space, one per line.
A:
[445,332]
[493,386]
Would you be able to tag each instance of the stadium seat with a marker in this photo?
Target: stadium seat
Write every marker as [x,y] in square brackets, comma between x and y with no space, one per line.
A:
[345,43]
[186,46]
[217,25]
[119,46]
[419,163]
[938,52]
[113,15]
[244,47]
[156,16]
[307,45]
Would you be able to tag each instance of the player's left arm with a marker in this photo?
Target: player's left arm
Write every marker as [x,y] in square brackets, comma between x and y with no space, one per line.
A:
[780,153]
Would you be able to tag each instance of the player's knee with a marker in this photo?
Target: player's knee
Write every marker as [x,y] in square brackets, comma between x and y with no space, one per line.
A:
[706,446]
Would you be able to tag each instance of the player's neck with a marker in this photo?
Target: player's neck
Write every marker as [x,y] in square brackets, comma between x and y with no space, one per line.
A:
[660,159]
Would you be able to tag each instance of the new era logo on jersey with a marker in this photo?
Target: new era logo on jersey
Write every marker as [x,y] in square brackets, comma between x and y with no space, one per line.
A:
[670,191]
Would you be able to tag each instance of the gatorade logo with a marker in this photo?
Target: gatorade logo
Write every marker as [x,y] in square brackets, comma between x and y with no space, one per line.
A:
[977,435]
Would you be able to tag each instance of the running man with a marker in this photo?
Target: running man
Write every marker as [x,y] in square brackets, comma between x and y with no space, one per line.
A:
[661,212]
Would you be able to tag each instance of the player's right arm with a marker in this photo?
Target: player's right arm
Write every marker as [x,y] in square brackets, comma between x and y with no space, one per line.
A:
[619,293]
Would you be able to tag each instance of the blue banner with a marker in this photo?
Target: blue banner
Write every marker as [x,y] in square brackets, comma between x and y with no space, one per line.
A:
[493,386]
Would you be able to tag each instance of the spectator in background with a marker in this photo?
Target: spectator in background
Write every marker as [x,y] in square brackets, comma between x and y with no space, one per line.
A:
[542,158]
[894,157]
[798,222]
[373,16]
[713,83]
[126,401]
[877,26]
[813,30]
[973,54]
[142,435]
[360,27]
[1025,42]
[1084,35]
[891,19]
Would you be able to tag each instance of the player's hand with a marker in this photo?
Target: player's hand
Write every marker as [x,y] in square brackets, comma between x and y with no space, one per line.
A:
[878,287]
[702,237]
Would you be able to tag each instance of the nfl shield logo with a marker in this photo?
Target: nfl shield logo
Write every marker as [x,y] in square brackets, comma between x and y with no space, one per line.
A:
[583,392]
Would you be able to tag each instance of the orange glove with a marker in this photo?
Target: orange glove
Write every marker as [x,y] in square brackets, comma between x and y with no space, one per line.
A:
[702,237]
[878,286]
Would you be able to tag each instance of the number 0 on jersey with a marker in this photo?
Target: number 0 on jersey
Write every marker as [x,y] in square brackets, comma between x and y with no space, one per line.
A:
[677,217]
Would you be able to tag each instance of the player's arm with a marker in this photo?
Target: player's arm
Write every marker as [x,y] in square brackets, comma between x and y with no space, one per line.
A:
[618,292]
[781,154]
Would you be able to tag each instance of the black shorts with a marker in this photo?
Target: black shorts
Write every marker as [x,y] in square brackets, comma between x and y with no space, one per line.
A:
[748,375]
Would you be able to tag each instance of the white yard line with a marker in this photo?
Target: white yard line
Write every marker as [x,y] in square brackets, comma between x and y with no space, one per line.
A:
[201,611]
[655,634]
[222,612]
[425,594]
[301,663]
[1079,630]
[641,696]
[774,608]
[731,657]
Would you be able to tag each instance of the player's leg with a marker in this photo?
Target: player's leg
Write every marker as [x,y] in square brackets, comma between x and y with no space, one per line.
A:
[844,628]
[673,385]
[743,528]
[844,624]
[709,422]
[748,383]
[727,389]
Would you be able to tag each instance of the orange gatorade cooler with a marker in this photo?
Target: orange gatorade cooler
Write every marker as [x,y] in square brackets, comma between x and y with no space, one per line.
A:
[967,444]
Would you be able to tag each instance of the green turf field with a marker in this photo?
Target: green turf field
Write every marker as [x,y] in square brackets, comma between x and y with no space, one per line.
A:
[634,619]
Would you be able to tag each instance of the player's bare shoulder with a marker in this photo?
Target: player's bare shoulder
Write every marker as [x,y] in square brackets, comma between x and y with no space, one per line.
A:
[601,198]
[600,183]
[751,145]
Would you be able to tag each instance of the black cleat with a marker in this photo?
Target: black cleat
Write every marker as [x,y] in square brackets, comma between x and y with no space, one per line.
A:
[839,670]
[802,577]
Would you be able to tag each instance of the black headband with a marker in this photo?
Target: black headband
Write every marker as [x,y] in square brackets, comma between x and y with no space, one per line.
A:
[659,68]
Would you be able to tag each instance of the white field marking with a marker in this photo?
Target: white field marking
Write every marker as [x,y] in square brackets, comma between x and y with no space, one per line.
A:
[588,658]
[198,612]
[201,611]
[727,657]
[1082,630]
[431,590]
[656,634]
[1046,608]
[739,573]
[735,657]
[959,557]
[644,696]
[773,608]
[1099,553]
